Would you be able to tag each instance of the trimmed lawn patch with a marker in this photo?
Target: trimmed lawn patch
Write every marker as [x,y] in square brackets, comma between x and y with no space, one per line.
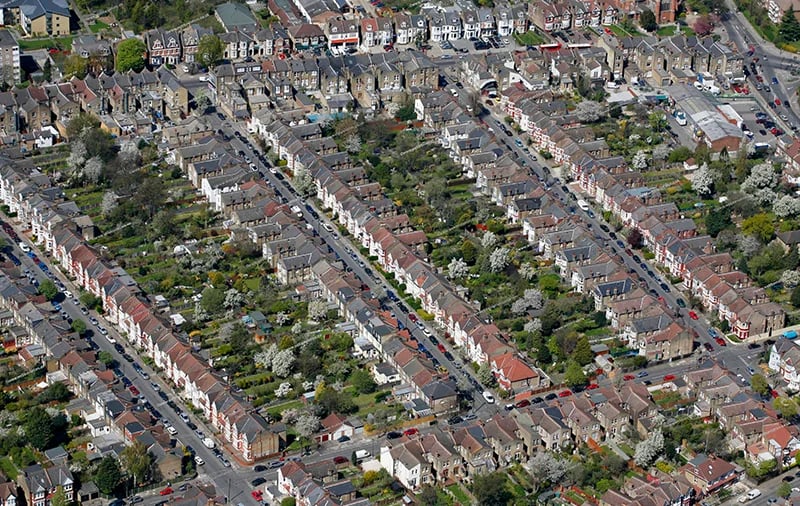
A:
[32,44]
[529,38]
[459,493]
[621,32]
[98,26]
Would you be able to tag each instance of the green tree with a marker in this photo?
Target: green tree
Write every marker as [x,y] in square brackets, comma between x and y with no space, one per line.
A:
[491,489]
[784,490]
[658,121]
[647,20]
[362,381]
[39,428]
[761,226]
[79,326]
[717,220]
[789,28]
[108,475]
[56,392]
[90,301]
[48,289]
[76,66]
[212,300]
[130,55]
[428,496]
[469,252]
[583,351]
[759,384]
[209,50]
[680,154]
[106,358]
[47,71]
[59,497]
[785,406]
[137,462]
[795,299]
[574,375]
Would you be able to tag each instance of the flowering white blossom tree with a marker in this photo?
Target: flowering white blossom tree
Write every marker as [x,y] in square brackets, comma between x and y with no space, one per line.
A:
[790,278]
[534,325]
[281,318]
[498,260]
[527,271]
[264,357]
[748,244]
[786,206]
[589,111]
[545,467]
[457,268]
[317,309]
[703,180]
[661,152]
[649,450]
[77,156]
[282,363]
[760,184]
[531,299]
[639,161]
[109,202]
[353,143]
[489,239]
[93,169]
[306,424]
[283,389]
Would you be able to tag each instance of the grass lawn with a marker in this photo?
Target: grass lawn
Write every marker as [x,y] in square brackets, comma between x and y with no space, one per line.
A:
[98,26]
[621,32]
[459,493]
[627,449]
[32,44]
[529,38]
[8,468]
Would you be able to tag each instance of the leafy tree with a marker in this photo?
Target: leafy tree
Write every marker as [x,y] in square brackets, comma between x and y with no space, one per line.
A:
[635,239]
[39,428]
[491,489]
[209,50]
[75,65]
[212,300]
[789,28]
[649,449]
[469,252]
[362,381]
[759,384]
[48,289]
[47,71]
[55,392]
[59,497]
[137,462]
[428,496]
[680,155]
[760,226]
[574,375]
[306,425]
[717,220]
[785,406]
[130,55]
[647,20]
[406,113]
[79,326]
[784,490]
[795,299]
[703,26]
[108,475]
[583,351]
[90,301]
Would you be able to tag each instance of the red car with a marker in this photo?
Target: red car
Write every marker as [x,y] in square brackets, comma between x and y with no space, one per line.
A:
[720,341]
[340,460]
[628,377]
[411,431]
[441,347]
[774,394]
[693,315]
[565,393]
[523,403]
[412,317]
[592,386]
[257,495]
[669,377]
[133,390]
[166,491]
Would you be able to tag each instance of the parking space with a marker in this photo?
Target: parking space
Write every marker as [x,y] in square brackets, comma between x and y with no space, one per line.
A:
[748,109]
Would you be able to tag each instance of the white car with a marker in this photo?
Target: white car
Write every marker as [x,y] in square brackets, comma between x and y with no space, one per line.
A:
[198,460]
[488,396]
[172,430]
[24,247]
[208,443]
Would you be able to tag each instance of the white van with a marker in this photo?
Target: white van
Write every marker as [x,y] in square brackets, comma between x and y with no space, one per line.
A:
[750,495]
[362,454]
[612,85]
